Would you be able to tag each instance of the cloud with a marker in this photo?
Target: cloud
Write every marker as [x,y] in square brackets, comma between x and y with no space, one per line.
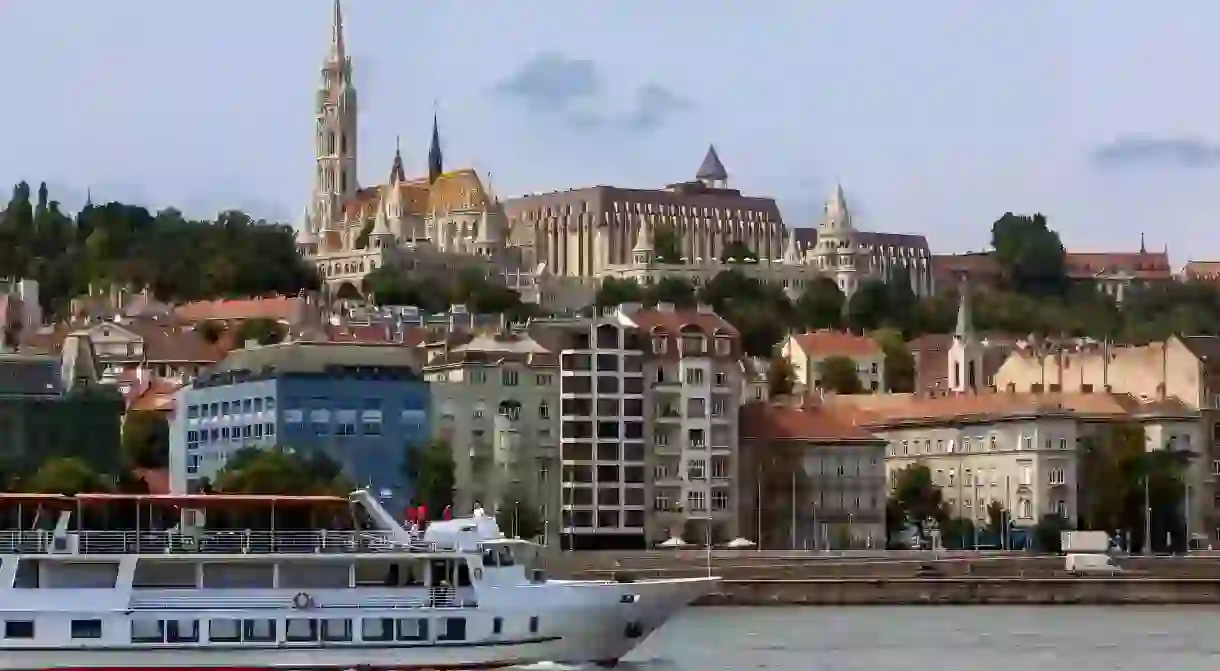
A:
[1191,153]
[575,91]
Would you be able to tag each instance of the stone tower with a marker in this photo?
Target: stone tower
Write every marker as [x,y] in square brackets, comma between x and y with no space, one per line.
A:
[836,251]
[335,139]
[966,354]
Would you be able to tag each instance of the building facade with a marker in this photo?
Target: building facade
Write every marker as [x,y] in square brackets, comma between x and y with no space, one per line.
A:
[809,480]
[365,406]
[582,232]
[806,351]
[495,400]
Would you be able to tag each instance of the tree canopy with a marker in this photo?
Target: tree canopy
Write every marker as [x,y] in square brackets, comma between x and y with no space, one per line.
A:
[430,467]
[146,439]
[117,244]
[436,292]
[284,471]
[838,374]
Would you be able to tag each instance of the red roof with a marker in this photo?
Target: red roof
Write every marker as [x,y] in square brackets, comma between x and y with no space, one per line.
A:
[837,343]
[277,308]
[181,500]
[810,423]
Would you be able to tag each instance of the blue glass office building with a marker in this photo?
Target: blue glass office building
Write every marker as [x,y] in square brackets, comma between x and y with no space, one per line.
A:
[363,405]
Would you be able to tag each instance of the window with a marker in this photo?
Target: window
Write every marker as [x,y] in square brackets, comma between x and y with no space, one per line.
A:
[1216,467]
[722,379]
[696,501]
[694,376]
[147,631]
[662,502]
[1063,443]
[544,410]
[720,500]
[86,628]
[259,631]
[991,442]
[452,629]
[542,380]
[658,345]
[412,629]
[509,378]
[533,624]
[19,629]
[300,630]
[1055,476]
[1026,475]
[182,631]
[497,626]
[1027,442]
[377,629]
[694,469]
[224,631]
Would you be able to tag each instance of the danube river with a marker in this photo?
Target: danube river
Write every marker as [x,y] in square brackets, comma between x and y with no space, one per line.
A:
[945,638]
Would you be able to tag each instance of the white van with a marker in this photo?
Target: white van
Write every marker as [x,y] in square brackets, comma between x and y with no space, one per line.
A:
[1091,564]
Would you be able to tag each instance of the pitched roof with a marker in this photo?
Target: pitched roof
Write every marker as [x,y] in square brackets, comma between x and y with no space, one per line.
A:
[837,343]
[811,423]
[454,190]
[711,168]
[1202,270]
[278,308]
[880,410]
[158,395]
[316,357]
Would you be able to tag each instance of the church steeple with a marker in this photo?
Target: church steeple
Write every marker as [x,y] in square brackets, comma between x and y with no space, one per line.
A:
[397,174]
[335,135]
[965,321]
[338,51]
[436,164]
[966,372]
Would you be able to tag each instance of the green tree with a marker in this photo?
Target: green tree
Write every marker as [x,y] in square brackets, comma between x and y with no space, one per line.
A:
[431,469]
[868,307]
[677,290]
[737,251]
[1048,533]
[919,496]
[958,533]
[282,471]
[666,244]
[780,376]
[760,311]
[210,331]
[997,519]
[261,330]
[1030,254]
[615,291]
[518,517]
[820,305]
[146,439]
[838,374]
[895,522]
[899,362]
[65,475]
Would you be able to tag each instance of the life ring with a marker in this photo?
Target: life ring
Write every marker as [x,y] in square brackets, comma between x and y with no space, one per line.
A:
[302,601]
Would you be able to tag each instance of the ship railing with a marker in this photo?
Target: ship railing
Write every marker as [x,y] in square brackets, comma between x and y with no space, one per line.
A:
[432,597]
[206,542]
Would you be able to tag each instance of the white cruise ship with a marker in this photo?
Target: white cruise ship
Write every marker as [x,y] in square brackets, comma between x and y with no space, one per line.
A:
[457,596]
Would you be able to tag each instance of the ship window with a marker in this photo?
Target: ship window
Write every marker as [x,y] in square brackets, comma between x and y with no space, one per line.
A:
[299,630]
[412,629]
[19,629]
[147,631]
[452,629]
[377,629]
[86,628]
[497,625]
[533,624]
[182,631]
[224,631]
[336,630]
[259,631]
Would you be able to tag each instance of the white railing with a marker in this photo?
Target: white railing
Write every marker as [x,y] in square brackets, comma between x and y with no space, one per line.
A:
[206,542]
[432,597]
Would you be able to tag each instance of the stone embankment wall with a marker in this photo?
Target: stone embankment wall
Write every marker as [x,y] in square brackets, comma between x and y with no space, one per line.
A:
[966,591]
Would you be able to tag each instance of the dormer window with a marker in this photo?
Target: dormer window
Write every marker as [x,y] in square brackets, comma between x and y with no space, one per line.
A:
[658,344]
[723,346]
[692,344]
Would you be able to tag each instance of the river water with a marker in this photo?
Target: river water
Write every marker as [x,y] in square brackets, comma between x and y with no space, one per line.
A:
[945,638]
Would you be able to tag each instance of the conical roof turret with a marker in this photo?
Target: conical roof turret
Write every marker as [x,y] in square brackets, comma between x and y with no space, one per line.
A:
[711,169]
[643,238]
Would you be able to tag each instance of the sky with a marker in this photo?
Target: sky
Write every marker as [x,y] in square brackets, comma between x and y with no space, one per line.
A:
[936,116]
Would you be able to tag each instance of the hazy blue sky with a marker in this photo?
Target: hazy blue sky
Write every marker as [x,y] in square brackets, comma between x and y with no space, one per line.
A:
[937,116]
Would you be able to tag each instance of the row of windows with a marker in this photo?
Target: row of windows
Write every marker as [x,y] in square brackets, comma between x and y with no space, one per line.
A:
[234,433]
[224,408]
[296,630]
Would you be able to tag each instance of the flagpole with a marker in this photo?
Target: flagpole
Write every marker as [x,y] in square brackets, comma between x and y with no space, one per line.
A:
[793,531]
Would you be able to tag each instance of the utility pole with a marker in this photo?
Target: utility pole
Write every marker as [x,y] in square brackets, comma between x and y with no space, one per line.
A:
[1147,517]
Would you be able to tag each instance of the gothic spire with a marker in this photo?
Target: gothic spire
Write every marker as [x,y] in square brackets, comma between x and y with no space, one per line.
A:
[791,256]
[397,174]
[338,52]
[436,164]
[643,238]
[1143,248]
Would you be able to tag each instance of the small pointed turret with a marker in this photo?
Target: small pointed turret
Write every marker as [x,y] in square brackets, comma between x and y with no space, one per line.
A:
[965,323]
[791,256]
[485,240]
[397,174]
[436,163]
[307,236]
[711,171]
[1143,247]
[837,213]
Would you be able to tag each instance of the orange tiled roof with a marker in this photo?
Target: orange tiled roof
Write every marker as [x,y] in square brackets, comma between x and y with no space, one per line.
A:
[837,343]
[1140,265]
[454,190]
[279,308]
[812,423]
[158,396]
[887,409]
[671,323]
[1202,270]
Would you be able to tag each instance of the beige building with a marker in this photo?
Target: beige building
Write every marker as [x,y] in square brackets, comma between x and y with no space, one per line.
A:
[1184,368]
[648,444]
[840,490]
[495,399]
[806,351]
[1019,449]
[582,232]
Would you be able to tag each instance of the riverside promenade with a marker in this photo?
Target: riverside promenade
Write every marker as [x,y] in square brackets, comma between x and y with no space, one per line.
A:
[894,578]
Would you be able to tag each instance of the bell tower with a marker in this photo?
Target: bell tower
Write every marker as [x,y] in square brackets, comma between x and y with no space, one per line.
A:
[335,137]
